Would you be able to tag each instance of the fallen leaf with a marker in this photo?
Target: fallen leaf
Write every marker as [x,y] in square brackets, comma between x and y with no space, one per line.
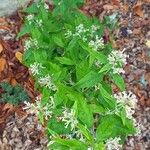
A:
[2,20]
[147,1]
[5,28]
[19,56]
[138,9]
[2,64]
[116,2]
[137,31]
[125,7]
[13,82]
[148,43]
[114,45]
[1,47]
[8,107]
[109,7]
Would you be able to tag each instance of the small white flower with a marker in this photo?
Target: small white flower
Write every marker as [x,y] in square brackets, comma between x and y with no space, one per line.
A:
[69,118]
[37,107]
[30,18]
[80,28]
[127,98]
[113,144]
[79,135]
[32,108]
[117,59]
[94,28]
[27,45]
[47,81]
[35,43]
[39,23]
[80,31]
[68,34]
[138,126]
[128,101]
[30,43]
[96,44]
[50,143]
[35,68]
[46,6]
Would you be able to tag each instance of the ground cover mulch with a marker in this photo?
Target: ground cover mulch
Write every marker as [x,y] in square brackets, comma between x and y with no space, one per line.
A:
[130,36]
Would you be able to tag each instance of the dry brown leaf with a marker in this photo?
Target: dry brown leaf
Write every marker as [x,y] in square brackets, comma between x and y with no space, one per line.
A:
[109,7]
[138,9]
[137,31]
[13,82]
[114,45]
[8,108]
[116,2]
[2,64]
[2,20]
[19,56]
[126,7]
[1,47]
[4,28]
[147,1]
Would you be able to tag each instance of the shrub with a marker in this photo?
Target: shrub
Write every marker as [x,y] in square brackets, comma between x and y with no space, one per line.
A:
[74,68]
[14,95]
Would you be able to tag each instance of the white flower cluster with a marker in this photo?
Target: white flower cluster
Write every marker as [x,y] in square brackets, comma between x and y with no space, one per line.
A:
[69,118]
[37,107]
[117,59]
[47,82]
[39,23]
[30,43]
[113,144]
[35,68]
[46,6]
[138,126]
[30,18]
[85,34]
[128,100]
[97,43]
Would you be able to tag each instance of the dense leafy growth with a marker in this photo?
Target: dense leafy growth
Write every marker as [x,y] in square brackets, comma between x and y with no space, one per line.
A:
[74,68]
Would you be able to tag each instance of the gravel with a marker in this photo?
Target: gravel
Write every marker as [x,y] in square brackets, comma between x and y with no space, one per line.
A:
[23,134]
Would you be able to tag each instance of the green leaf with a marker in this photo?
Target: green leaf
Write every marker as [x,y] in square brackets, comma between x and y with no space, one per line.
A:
[119,81]
[41,117]
[107,98]
[111,126]
[94,54]
[86,133]
[65,60]
[89,80]
[82,69]
[84,113]
[105,68]
[123,116]
[57,126]
[24,30]
[73,144]
[58,40]
[99,146]
[32,9]
[96,108]
[99,56]
[73,50]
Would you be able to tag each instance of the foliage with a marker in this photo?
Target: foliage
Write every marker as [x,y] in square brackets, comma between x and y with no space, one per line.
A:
[14,95]
[74,69]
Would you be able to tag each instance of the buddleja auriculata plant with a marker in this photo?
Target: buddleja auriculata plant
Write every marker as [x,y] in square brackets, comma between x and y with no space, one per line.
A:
[74,68]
